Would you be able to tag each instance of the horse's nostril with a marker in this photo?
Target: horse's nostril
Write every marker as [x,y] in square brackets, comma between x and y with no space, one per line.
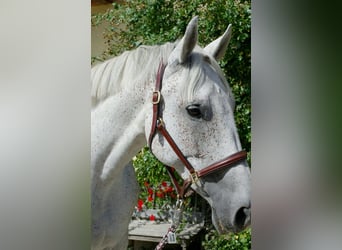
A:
[242,218]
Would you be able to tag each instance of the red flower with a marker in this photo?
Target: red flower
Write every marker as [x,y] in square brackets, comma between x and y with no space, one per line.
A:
[146,184]
[164,184]
[169,189]
[150,198]
[150,191]
[140,204]
[152,217]
[160,194]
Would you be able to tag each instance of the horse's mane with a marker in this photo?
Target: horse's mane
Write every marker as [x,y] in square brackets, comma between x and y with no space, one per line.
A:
[127,70]
[140,66]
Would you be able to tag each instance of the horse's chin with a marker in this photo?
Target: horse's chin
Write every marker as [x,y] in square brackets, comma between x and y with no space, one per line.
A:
[225,228]
[221,229]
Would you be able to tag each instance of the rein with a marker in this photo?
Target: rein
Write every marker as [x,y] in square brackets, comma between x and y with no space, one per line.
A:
[182,191]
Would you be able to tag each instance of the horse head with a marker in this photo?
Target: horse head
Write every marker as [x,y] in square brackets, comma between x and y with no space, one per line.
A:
[197,110]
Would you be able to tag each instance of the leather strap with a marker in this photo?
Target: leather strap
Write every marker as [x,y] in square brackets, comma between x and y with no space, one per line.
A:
[156,96]
[161,128]
[229,161]
[223,164]
[171,172]
[182,191]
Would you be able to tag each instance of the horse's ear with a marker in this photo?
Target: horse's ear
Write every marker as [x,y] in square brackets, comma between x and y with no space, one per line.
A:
[218,47]
[188,42]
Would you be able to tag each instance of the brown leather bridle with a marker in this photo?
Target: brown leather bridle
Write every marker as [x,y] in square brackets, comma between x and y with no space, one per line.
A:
[158,123]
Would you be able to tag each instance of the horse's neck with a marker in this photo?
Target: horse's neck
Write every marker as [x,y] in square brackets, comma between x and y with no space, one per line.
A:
[117,133]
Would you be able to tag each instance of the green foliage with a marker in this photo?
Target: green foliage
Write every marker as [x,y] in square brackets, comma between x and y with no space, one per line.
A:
[241,241]
[152,22]
[149,169]
[154,181]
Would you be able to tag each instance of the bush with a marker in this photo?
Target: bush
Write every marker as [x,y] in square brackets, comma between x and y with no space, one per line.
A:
[152,22]
[155,183]
[241,241]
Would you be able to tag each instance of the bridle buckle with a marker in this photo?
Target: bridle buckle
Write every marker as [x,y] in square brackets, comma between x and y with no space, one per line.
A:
[194,177]
[160,122]
[153,97]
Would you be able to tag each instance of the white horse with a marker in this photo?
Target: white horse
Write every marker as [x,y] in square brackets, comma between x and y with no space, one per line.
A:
[197,110]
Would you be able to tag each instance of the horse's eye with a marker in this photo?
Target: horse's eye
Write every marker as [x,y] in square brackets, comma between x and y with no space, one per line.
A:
[194,110]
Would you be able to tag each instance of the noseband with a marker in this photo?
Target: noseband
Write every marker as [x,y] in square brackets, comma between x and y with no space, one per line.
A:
[158,124]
